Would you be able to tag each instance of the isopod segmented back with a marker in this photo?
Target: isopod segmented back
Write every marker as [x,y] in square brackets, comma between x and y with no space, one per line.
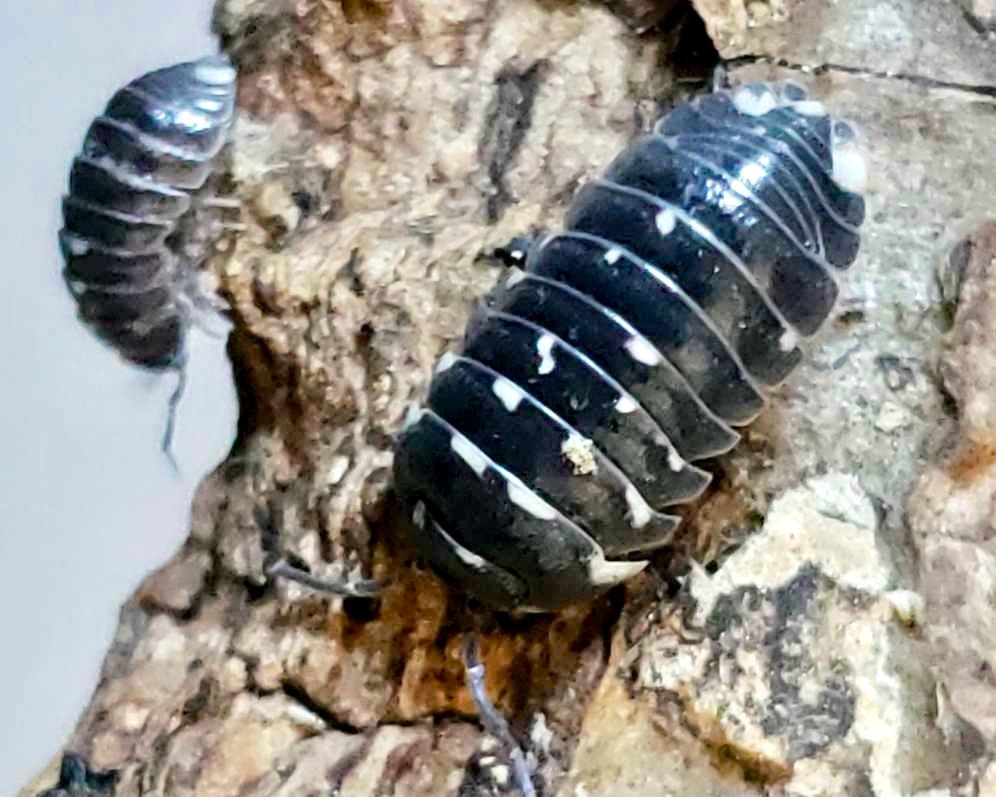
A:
[630,345]
[132,190]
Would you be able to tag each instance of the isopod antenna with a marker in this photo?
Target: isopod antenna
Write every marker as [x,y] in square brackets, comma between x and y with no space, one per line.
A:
[492,720]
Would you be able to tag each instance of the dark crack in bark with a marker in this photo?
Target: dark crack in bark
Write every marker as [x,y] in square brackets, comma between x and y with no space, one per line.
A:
[508,119]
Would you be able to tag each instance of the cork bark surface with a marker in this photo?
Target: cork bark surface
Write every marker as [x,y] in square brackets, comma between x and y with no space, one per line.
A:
[382,150]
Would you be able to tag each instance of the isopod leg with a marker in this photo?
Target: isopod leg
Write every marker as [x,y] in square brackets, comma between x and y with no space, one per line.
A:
[205,307]
[492,720]
[721,77]
[276,566]
[356,589]
[174,402]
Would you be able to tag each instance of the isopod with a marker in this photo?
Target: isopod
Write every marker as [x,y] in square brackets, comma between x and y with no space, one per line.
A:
[133,235]
[77,779]
[630,345]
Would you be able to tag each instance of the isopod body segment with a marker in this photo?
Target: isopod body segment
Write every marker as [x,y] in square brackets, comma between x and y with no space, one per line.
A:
[630,345]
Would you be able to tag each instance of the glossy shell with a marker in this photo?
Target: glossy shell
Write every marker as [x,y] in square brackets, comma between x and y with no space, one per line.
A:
[631,345]
[132,189]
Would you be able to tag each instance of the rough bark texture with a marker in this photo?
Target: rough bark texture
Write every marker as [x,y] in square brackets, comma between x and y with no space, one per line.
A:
[846,648]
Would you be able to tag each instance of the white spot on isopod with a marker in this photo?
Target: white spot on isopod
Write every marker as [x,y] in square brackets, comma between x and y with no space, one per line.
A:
[809,108]
[214,71]
[626,404]
[208,104]
[643,351]
[544,347]
[514,278]
[612,255]
[77,246]
[526,499]
[603,572]
[465,555]
[666,221]
[849,168]
[476,459]
[413,415]
[511,394]
[754,100]
[639,511]
[445,362]
[674,460]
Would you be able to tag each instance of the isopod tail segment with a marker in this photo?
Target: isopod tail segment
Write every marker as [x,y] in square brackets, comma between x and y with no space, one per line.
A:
[134,230]
[631,345]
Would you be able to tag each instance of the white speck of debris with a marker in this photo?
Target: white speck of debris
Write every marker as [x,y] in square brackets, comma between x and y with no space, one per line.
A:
[500,774]
[338,468]
[301,716]
[666,221]
[541,735]
[891,417]
[544,347]
[579,451]
[907,605]
[612,255]
[788,340]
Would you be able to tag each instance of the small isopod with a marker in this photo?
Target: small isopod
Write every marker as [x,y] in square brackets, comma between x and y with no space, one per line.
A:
[134,233]
[77,779]
[631,345]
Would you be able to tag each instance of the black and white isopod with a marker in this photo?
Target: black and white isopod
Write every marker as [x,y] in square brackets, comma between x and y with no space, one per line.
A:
[133,238]
[630,345]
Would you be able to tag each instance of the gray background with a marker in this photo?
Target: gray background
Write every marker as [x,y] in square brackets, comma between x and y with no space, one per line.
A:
[87,502]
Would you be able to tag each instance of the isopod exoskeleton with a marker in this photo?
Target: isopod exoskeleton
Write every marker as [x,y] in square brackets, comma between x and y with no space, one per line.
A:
[631,345]
[133,238]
